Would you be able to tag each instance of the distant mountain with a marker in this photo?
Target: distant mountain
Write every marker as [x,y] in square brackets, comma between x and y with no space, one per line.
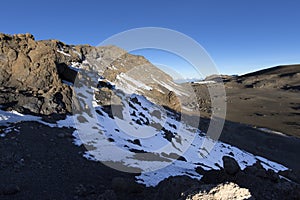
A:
[282,70]
[283,77]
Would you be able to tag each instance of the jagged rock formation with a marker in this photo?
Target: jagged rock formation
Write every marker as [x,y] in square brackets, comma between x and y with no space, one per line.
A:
[30,75]
[34,73]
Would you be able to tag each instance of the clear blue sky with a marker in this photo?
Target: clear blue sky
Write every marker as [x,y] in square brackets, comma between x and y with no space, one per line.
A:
[240,36]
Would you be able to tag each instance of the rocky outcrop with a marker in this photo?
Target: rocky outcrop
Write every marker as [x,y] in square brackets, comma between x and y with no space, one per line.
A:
[30,78]
[231,166]
[36,76]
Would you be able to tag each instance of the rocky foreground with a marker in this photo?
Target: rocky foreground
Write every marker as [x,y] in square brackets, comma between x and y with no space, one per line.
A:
[41,161]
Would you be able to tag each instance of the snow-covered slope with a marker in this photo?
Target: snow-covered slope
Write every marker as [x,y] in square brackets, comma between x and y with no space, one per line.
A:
[138,141]
[145,137]
[136,135]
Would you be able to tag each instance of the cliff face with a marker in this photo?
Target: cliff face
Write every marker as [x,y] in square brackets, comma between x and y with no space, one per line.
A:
[34,73]
[30,79]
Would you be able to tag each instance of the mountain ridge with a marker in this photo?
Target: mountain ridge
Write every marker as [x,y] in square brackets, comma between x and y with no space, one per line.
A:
[41,67]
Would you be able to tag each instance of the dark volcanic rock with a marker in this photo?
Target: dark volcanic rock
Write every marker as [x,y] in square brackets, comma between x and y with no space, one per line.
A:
[230,165]
[173,187]
[124,185]
[107,195]
[9,189]
[262,183]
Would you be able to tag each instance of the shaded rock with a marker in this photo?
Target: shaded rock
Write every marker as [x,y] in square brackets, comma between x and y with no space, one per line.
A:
[200,170]
[120,184]
[66,73]
[173,101]
[212,176]
[60,135]
[173,187]
[137,142]
[103,96]
[289,174]
[9,189]
[83,191]
[52,118]
[271,175]
[107,195]
[32,104]
[257,170]
[230,165]
[174,156]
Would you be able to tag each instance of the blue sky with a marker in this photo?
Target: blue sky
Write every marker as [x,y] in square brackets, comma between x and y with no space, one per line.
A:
[240,36]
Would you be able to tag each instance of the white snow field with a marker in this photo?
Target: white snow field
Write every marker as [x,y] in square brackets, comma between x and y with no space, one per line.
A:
[140,134]
[159,145]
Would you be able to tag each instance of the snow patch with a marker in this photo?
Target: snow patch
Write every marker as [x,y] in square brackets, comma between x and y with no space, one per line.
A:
[271,131]
[130,85]
[204,82]
[172,87]
[62,52]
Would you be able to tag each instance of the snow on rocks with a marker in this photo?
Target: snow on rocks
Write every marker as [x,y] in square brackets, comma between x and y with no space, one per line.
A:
[142,135]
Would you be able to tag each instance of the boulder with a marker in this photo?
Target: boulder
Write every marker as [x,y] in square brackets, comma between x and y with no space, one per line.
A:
[230,165]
